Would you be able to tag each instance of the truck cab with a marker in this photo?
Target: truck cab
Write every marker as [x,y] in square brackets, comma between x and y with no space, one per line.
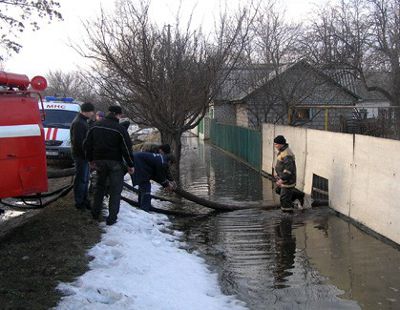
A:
[60,112]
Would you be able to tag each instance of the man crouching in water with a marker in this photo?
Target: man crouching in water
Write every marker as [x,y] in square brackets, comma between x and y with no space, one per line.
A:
[285,175]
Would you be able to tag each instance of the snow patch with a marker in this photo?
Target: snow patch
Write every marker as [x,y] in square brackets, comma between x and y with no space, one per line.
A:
[139,266]
[9,214]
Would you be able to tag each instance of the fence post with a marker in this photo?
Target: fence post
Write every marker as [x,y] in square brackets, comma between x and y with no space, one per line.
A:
[326,123]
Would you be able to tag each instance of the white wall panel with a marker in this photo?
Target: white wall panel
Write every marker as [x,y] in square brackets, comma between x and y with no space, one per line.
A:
[376,185]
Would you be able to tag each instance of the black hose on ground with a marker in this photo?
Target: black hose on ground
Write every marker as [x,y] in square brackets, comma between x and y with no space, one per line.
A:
[37,196]
[135,190]
[56,194]
[60,173]
[220,207]
[154,209]
[60,193]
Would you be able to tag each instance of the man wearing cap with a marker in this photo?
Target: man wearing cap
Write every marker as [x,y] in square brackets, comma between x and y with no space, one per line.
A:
[107,146]
[285,175]
[78,131]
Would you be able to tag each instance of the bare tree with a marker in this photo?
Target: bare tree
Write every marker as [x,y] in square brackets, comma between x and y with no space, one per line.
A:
[275,39]
[78,86]
[164,77]
[362,36]
[62,83]
[17,15]
[275,47]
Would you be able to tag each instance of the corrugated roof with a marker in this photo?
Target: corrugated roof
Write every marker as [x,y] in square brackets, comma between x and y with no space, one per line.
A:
[242,81]
[347,78]
[287,67]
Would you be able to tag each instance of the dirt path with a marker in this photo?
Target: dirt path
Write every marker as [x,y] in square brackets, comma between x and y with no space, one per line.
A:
[48,249]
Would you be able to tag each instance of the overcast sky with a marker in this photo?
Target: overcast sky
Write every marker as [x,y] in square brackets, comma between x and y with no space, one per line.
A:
[47,49]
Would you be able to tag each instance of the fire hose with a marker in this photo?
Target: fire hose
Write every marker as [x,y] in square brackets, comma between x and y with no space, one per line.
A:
[214,205]
[58,193]
[55,195]
[217,206]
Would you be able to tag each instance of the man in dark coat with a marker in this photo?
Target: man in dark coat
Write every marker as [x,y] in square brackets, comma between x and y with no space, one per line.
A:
[285,175]
[151,166]
[78,131]
[107,147]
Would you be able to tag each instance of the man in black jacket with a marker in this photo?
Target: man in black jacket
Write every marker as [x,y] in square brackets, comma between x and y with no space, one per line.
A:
[78,131]
[285,175]
[107,146]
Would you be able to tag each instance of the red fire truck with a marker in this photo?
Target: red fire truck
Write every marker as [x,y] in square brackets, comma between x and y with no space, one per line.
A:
[22,140]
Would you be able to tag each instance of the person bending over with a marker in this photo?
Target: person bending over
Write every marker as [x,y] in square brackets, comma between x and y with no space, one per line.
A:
[151,166]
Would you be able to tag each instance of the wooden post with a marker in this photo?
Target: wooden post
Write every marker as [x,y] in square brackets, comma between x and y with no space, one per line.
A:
[326,118]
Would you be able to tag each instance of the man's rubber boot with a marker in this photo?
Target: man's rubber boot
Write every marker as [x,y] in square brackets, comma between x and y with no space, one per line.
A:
[302,200]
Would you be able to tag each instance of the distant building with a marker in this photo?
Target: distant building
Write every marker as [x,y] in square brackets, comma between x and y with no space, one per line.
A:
[298,94]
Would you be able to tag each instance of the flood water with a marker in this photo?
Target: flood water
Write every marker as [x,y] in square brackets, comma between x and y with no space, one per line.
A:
[271,260]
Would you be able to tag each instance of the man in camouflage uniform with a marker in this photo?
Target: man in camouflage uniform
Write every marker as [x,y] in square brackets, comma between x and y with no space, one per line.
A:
[285,175]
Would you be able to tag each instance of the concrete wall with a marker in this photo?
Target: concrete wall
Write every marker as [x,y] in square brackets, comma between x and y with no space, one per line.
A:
[195,131]
[268,154]
[330,155]
[376,185]
[363,172]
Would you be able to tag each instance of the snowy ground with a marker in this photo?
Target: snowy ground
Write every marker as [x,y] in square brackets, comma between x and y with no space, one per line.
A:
[139,265]
[9,214]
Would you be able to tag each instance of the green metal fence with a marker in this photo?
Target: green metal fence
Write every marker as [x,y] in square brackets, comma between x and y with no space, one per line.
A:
[243,142]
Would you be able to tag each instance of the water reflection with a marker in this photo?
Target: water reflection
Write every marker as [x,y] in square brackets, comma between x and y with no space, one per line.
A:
[271,260]
[285,245]
[210,172]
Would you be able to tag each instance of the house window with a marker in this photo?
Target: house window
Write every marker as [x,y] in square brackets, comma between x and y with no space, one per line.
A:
[302,114]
